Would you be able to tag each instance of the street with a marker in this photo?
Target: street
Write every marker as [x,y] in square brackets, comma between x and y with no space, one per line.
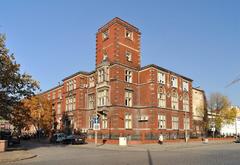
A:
[80,155]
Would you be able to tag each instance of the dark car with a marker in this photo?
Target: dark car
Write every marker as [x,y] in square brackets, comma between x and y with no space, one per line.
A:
[237,140]
[74,139]
[11,138]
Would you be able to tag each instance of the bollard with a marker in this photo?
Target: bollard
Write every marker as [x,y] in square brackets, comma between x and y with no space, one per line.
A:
[3,145]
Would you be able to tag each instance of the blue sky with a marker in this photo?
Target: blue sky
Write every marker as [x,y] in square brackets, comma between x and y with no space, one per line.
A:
[199,39]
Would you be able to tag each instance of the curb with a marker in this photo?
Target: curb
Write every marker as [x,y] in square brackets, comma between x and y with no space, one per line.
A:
[18,159]
[133,148]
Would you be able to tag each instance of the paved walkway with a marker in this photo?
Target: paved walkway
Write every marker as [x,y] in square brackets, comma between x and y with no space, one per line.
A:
[16,155]
[152,147]
[12,156]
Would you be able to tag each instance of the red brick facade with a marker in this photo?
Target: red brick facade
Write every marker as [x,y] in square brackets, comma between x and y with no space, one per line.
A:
[128,99]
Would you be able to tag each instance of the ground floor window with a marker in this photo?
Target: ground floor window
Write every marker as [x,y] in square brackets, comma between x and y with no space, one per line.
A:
[174,122]
[128,121]
[161,121]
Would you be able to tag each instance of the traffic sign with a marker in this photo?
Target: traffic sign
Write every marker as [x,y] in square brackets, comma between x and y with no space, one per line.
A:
[96,126]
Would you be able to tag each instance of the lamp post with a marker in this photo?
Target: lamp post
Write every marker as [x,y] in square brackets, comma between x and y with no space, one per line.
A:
[185,123]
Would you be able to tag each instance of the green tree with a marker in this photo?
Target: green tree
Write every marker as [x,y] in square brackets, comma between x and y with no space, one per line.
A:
[14,86]
[221,106]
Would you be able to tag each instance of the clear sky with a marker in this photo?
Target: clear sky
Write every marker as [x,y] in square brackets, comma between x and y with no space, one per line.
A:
[200,39]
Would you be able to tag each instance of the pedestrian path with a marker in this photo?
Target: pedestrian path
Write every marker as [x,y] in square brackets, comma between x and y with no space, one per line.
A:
[12,156]
[151,147]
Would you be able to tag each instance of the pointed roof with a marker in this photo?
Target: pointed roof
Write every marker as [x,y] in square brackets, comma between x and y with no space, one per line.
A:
[120,21]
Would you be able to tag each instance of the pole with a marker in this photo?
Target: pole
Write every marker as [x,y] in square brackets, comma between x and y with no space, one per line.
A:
[95,138]
[185,123]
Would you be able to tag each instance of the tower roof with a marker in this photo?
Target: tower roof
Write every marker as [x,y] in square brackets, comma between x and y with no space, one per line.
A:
[120,21]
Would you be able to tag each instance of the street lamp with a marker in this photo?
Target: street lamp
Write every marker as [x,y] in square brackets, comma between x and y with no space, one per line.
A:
[185,123]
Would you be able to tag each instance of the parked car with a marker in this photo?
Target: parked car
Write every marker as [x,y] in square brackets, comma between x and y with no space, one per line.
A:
[74,139]
[58,138]
[237,140]
[11,138]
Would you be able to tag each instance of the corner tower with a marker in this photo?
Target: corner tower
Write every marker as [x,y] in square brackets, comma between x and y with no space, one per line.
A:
[118,42]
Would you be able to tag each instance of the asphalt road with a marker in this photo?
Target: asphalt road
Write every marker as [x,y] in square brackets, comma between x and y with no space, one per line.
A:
[222,154]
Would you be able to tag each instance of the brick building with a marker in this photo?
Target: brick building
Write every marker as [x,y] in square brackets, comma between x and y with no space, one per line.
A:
[130,100]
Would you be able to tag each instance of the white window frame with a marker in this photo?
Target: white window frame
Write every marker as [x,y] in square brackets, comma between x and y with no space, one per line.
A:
[175,123]
[161,78]
[91,101]
[91,82]
[128,76]
[128,121]
[59,110]
[104,121]
[102,97]
[128,56]
[129,34]
[161,121]
[174,81]
[186,102]
[174,100]
[128,98]
[185,86]
[105,34]
[161,98]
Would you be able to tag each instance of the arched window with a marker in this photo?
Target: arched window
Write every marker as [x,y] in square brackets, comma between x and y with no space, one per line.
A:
[161,97]
[174,100]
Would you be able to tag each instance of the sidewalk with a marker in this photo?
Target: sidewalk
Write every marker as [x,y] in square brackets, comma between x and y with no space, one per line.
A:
[152,147]
[12,156]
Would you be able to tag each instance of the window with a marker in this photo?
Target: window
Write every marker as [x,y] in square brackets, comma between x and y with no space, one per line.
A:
[128,76]
[128,121]
[174,100]
[54,95]
[129,56]
[186,123]
[174,82]
[59,108]
[91,101]
[91,82]
[71,85]
[129,34]
[104,121]
[59,94]
[161,121]
[67,86]
[48,97]
[185,86]
[185,102]
[128,98]
[102,74]
[102,97]
[104,55]
[161,78]
[74,84]
[105,35]
[70,103]
[174,122]
[161,98]
[90,122]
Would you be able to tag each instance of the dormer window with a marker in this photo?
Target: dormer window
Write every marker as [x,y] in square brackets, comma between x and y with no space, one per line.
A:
[185,86]
[161,78]
[129,34]
[174,82]
[105,35]
[129,56]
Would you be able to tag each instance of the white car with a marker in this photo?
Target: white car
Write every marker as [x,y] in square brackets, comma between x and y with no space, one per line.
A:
[58,137]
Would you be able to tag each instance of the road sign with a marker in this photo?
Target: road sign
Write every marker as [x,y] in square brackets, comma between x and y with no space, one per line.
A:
[96,126]
[213,129]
